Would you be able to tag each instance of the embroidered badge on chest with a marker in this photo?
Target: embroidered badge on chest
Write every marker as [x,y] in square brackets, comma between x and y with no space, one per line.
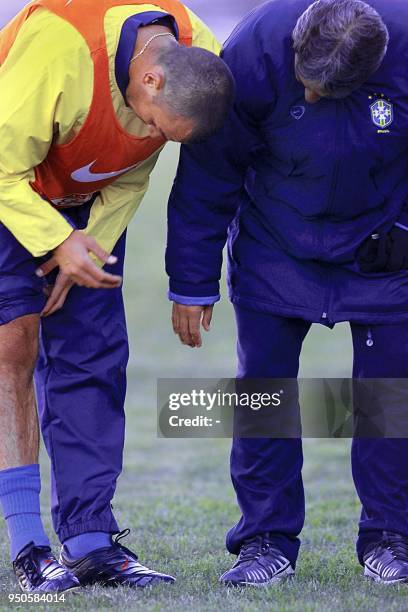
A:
[297,112]
[382,112]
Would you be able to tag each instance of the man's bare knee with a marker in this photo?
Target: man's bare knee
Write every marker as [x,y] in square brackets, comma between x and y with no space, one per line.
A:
[19,345]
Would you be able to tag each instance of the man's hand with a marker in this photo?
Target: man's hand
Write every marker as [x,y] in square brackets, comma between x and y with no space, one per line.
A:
[186,322]
[57,294]
[72,258]
[385,252]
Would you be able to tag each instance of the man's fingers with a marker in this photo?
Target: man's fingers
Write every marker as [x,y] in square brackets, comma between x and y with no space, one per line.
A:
[55,303]
[89,275]
[57,306]
[83,279]
[175,319]
[74,261]
[207,317]
[194,328]
[183,329]
[52,300]
[100,253]
[186,322]
[56,294]
[47,267]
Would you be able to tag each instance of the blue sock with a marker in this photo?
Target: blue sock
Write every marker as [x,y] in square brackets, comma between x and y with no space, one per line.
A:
[81,545]
[20,499]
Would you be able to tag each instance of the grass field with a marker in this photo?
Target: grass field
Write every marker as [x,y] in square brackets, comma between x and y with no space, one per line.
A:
[175,495]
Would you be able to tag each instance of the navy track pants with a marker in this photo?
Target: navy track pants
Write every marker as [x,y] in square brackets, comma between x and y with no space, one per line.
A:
[80,384]
[266,473]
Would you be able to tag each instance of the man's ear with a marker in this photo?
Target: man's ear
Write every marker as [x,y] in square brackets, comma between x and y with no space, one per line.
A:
[154,80]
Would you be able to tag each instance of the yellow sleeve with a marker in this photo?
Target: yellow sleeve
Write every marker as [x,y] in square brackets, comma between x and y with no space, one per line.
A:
[114,208]
[32,83]
[202,35]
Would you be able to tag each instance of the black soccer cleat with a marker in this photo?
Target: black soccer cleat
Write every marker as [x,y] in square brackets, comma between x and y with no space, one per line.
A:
[259,563]
[386,561]
[38,571]
[113,566]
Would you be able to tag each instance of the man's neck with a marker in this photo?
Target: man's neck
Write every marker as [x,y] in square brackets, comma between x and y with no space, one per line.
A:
[147,32]
[146,59]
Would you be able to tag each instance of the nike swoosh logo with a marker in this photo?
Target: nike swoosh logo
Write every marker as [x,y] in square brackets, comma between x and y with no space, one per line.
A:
[85,174]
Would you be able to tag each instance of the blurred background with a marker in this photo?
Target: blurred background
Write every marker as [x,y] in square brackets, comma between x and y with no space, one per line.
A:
[175,495]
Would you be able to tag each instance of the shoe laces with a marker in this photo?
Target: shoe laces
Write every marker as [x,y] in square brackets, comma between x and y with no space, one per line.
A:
[120,536]
[30,569]
[253,548]
[397,545]
[116,543]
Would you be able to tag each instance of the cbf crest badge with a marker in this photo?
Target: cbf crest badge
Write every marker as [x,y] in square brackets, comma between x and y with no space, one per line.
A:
[382,112]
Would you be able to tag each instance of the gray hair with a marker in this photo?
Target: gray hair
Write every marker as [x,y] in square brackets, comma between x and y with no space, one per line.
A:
[339,44]
[198,86]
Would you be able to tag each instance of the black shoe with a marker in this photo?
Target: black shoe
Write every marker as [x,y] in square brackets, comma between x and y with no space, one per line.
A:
[112,566]
[259,563]
[38,571]
[387,560]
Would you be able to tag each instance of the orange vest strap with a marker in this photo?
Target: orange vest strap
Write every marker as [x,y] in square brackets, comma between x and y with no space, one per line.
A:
[87,17]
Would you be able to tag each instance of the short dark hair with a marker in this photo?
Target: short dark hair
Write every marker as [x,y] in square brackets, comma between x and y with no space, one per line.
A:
[339,44]
[198,86]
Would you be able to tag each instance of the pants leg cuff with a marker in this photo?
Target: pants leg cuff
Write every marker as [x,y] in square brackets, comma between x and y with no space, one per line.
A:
[21,309]
[70,530]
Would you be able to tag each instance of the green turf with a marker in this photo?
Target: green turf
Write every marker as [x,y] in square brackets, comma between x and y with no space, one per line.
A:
[175,495]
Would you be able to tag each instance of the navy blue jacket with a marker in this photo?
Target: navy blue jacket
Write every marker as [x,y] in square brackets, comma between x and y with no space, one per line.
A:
[299,186]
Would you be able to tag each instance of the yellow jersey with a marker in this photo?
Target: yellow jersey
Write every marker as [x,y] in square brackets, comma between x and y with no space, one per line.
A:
[47,86]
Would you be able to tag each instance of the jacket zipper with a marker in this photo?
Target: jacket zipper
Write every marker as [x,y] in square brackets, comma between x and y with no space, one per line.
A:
[325,313]
[333,186]
[333,189]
